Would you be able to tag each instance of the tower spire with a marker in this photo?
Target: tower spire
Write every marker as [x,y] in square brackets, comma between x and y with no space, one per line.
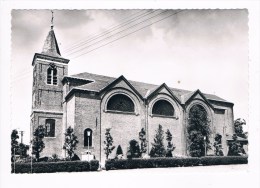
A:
[50,46]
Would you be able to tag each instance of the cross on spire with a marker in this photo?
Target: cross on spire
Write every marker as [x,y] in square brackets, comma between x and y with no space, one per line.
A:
[52,19]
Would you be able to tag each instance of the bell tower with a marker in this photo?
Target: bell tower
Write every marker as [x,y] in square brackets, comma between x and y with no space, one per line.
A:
[49,68]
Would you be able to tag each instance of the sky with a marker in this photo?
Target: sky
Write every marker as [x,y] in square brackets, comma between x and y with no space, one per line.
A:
[190,49]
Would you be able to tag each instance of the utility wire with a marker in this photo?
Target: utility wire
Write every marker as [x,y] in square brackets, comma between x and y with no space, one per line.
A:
[126,35]
[20,78]
[93,35]
[113,26]
[28,73]
[107,32]
[117,33]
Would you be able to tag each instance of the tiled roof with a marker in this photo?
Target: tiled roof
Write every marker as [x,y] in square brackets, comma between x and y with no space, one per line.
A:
[186,96]
[50,46]
[102,81]
[214,97]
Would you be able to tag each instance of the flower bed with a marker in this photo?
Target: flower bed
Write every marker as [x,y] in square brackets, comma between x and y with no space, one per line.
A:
[61,166]
[173,162]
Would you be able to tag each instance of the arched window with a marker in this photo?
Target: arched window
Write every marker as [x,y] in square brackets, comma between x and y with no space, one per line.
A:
[198,111]
[52,75]
[121,103]
[163,107]
[88,137]
[50,128]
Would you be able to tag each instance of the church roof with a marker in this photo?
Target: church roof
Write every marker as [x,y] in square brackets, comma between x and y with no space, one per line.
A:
[100,82]
[50,46]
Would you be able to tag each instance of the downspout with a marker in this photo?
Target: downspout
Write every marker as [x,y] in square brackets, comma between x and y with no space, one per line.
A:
[185,131]
[66,115]
[100,131]
[146,125]
[225,132]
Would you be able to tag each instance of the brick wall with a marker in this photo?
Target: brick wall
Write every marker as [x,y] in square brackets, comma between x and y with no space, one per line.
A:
[124,127]
[48,104]
[48,96]
[70,112]
[53,145]
[174,124]
[87,115]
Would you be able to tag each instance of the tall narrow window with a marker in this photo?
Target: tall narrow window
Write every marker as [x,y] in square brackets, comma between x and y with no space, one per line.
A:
[49,75]
[88,137]
[50,128]
[55,76]
[52,75]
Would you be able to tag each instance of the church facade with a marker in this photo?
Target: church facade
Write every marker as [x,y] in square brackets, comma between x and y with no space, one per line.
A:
[91,103]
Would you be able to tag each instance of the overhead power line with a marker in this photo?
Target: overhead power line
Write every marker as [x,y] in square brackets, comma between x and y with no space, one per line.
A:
[109,27]
[110,31]
[19,78]
[126,35]
[117,33]
[26,74]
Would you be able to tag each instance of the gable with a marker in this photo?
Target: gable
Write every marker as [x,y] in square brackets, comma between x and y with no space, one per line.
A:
[198,96]
[164,91]
[121,82]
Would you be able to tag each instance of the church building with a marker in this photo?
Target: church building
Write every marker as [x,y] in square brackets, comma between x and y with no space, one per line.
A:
[91,103]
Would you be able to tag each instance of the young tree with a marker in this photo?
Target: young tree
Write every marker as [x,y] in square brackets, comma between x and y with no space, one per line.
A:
[133,149]
[170,146]
[142,138]
[158,149]
[238,124]
[37,142]
[198,129]
[71,141]
[14,143]
[23,150]
[108,143]
[218,145]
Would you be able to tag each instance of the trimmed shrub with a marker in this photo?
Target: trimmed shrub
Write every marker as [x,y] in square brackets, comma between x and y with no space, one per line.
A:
[173,162]
[94,165]
[133,150]
[223,160]
[119,150]
[60,166]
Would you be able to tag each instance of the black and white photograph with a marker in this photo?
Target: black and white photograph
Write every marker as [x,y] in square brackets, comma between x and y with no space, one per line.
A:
[98,92]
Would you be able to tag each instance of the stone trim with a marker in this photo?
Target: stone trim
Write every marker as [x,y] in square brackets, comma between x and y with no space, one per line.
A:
[120,112]
[163,116]
[47,112]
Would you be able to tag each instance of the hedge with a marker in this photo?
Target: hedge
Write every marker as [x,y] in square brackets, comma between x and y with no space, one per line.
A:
[173,162]
[61,166]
